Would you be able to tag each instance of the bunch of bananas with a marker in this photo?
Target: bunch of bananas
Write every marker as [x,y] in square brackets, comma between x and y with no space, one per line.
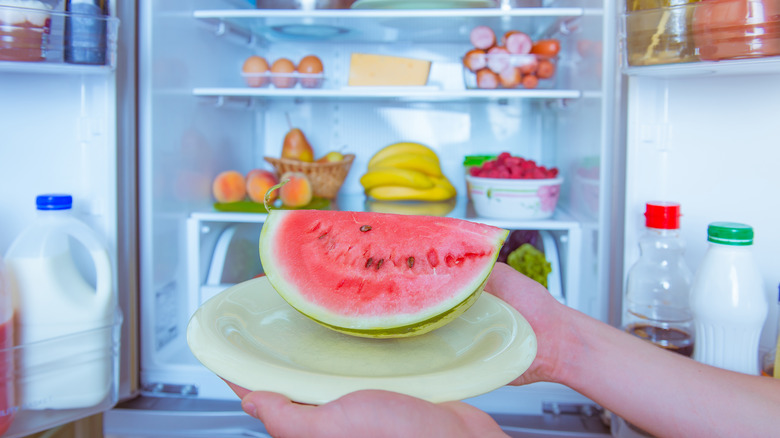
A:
[406,171]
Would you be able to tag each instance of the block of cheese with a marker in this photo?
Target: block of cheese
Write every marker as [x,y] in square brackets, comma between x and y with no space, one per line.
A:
[382,70]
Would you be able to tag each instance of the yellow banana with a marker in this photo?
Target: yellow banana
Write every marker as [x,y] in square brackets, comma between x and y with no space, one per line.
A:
[425,208]
[393,176]
[402,148]
[420,163]
[443,190]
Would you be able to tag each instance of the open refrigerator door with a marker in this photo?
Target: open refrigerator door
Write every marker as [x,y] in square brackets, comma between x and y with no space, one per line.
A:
[59,84]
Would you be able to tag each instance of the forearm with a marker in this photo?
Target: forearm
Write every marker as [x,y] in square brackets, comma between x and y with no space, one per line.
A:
[663,392]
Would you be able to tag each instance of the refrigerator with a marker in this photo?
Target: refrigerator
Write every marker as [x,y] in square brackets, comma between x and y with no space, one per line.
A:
[139,140]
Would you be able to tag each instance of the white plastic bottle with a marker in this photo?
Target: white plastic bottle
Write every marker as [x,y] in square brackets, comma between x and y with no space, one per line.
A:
[728,300]
[66,359]
[657,306]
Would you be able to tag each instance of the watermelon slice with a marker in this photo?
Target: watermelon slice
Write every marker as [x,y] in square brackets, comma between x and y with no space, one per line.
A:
[374,274]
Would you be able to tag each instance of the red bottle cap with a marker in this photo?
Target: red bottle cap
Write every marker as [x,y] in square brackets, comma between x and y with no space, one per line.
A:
[663,215]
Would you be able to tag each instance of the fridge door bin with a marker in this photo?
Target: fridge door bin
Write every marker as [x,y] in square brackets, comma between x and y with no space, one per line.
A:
[51,36]
[59,380]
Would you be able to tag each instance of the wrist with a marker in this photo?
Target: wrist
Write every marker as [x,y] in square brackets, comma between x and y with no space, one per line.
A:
[576,350]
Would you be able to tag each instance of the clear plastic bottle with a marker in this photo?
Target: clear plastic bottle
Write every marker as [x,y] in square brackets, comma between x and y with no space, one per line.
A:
[728,300]
[657,305]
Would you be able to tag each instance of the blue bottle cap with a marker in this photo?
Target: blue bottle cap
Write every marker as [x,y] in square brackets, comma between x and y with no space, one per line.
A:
[54,202]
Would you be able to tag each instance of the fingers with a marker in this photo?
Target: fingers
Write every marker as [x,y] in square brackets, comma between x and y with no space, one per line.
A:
[279,414]
[511,286]
[240,391]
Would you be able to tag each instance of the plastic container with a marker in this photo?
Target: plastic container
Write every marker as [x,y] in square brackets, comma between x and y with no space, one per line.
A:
[674,31]
[283,80]
[85,32]
[63,369]
[503,198]
[46,264]
[731,29]
[728,300]
[508,71]
[657,307]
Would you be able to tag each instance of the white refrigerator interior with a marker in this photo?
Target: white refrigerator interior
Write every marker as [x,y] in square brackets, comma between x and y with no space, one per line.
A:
[197,117]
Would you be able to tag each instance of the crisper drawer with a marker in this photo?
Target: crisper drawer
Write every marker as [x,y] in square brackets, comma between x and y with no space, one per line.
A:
[59,380]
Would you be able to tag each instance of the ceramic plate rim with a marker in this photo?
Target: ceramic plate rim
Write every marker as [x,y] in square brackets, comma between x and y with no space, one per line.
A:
[316,387]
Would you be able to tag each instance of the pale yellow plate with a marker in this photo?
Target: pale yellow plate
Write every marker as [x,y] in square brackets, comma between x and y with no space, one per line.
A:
[250,336]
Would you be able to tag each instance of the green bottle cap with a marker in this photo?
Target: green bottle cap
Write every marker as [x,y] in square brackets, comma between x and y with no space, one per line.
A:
[730,233]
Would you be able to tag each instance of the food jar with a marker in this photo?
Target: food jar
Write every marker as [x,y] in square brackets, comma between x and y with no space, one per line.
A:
[25,27]
[729,29]
[659,32]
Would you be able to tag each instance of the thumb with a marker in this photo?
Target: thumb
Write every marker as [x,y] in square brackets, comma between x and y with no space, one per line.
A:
[278,413]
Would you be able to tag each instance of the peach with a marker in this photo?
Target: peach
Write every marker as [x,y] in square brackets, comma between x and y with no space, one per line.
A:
[297,192]
[258,181]
[229,186]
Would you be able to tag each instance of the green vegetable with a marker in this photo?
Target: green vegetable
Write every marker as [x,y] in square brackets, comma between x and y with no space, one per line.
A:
[530,262]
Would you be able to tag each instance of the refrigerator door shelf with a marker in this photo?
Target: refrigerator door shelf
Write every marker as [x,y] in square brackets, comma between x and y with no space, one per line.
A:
[44,36]
[60,380]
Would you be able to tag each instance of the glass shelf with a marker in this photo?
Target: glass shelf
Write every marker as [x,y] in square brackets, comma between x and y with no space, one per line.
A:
[58,68]
[462,209]
[371,26]
[736,67]
[426,94]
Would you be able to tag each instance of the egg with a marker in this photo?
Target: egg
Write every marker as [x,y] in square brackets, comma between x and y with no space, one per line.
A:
[283,73]
[312,66]
[255,71]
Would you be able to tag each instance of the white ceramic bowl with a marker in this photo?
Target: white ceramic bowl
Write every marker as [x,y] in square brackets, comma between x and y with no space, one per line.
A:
[503,198]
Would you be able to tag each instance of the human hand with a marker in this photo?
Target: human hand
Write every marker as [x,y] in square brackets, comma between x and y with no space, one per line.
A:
[542,311]
[367,413]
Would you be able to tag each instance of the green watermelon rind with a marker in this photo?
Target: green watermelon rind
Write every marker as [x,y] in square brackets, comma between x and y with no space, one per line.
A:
[376,327]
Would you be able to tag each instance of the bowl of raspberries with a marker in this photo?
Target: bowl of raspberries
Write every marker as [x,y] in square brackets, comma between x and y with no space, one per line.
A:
[512,187]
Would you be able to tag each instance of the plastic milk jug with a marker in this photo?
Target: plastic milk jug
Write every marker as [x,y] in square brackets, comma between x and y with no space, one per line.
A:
[66,358]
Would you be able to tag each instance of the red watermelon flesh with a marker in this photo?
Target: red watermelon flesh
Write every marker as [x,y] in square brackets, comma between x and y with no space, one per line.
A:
[376,274]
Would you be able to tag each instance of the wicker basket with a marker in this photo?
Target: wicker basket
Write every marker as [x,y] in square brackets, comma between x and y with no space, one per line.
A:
[326,178]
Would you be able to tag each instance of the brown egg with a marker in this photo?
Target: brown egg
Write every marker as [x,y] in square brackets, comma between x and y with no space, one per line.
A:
[255,71]
[310,66]
[283,73]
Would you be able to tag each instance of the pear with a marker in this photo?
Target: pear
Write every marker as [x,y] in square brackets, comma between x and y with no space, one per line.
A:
[296,147]
[331,157]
